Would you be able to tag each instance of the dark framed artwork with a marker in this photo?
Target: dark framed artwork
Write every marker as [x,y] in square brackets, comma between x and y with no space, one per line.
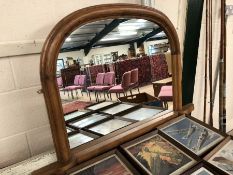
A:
[192,134]
[222,156]
[116,109]
[98,106]
[111,163]
[75,114]
[202,168]
[155,155]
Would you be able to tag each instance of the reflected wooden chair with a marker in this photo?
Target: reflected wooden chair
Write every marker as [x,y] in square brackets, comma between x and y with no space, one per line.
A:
[109,82]
[166,95]
[99,82]
[123,87]
[134,80]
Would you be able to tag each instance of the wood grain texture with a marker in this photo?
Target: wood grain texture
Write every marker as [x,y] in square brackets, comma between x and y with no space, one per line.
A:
[49,56]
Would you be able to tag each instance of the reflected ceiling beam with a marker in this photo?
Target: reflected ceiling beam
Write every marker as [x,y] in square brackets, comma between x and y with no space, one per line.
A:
[77,48]
[141,40]
[107,29]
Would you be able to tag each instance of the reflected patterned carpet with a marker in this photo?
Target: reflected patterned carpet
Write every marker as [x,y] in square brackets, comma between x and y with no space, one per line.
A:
[75,105]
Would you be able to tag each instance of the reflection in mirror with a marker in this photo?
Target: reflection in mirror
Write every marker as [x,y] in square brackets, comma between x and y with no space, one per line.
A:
[104,63]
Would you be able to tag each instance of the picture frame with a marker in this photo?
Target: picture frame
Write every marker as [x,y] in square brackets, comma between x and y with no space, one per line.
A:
[221,157]
[153,147]
[202,168]
[112,162]
[192,134]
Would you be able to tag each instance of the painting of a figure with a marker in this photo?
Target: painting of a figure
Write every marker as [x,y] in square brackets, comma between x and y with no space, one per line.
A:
[109,166]
[202,171]
[223,159]
[192,135]
[159,157]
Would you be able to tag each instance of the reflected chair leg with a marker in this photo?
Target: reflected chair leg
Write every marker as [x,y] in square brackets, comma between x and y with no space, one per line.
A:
[104,95]
[68,93]
[95,96]
[138,90]
[72,95]
[116,95]
[82,92]
[110,96]
[89,94]
[131,92]
[107,94]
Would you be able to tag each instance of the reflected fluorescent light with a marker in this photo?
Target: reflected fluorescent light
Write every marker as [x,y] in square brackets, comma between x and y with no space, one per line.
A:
[160,34]
[126,33]
[109,39]
[141,20]
[129,27]
[68,39]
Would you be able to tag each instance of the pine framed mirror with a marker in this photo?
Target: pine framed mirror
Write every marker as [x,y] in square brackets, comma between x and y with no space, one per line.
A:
[67,158]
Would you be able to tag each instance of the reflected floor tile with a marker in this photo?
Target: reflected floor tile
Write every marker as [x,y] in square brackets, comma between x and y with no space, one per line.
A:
[118,108]
[89,120]
[142,114]
[78,139]
[109,126]
[74,114]
[100,105]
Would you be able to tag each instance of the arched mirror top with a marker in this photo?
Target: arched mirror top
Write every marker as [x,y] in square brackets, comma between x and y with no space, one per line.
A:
[68,26]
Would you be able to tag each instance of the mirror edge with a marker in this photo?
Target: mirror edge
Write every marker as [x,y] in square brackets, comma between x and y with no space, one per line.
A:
[55,40]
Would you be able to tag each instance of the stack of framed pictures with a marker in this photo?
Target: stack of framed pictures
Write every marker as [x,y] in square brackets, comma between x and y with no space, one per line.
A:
[103,118]
[175,147]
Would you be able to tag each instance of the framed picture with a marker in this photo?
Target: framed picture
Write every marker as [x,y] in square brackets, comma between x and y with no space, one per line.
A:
[155,155]
[101,105]
[117,109]
[111,163]
[222,156]
[192,134]
[202,168]
[75,115]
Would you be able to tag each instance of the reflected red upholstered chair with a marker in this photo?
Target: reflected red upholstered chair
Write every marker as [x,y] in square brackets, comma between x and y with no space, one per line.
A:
[134,80]
[123,87]
[109,82]
[79,83]
[59,82]
[99,81]
[165,95]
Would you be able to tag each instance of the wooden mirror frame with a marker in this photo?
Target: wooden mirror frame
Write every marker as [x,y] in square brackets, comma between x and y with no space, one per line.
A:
[49,55]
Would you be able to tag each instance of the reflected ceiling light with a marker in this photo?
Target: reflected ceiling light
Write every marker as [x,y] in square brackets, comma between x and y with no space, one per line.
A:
[68,39]
[126,33]
[129,27]
[141,20]
[161,33]
[109,39]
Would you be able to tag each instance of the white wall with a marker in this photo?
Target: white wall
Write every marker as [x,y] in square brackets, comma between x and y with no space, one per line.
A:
[199,81]
[24,126]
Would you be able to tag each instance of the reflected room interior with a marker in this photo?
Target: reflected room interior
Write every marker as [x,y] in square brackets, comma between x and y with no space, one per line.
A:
[111,74]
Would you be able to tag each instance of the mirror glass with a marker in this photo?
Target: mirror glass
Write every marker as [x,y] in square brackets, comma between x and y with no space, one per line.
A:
[107,62]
